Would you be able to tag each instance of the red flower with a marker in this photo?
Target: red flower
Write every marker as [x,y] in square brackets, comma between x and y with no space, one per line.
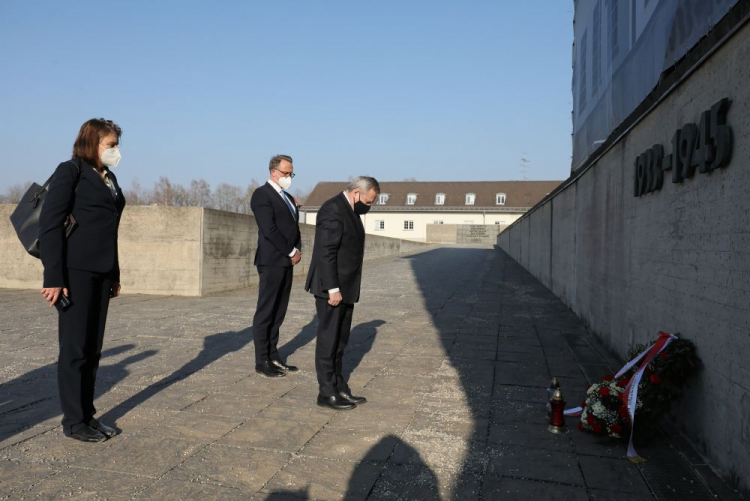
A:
[616,428]
[597,428]
[655,379]
[590,419]
[623,382]
[583,404]
[579,426]
[604,391]
[608,378]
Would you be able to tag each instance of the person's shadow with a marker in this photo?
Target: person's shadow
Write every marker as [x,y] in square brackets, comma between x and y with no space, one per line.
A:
[32,398]
[215,346]
[305,336]
[403,474]
[360,343]
[406,476]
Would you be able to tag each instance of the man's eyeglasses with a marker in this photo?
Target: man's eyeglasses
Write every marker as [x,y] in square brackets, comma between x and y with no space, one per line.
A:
[286,174]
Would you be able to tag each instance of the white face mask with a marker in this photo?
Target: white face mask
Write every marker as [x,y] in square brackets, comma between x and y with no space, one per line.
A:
[111,157]
[285,182]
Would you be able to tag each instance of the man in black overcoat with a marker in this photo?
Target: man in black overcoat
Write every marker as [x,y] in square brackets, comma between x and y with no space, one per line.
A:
[334,278]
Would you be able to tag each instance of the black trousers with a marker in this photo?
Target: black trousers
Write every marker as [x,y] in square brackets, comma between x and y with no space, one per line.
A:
[81,332]
[334,326]
[273,299]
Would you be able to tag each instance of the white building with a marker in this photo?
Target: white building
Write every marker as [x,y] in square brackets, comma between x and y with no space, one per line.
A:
[404,209]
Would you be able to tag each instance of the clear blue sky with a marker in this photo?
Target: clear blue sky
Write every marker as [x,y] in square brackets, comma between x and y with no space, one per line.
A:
[431,89]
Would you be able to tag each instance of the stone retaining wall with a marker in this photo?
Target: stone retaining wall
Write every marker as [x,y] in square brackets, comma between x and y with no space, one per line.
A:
[677,259]
[183,251]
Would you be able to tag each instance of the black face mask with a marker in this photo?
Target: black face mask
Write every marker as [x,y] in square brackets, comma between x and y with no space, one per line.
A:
[360,208]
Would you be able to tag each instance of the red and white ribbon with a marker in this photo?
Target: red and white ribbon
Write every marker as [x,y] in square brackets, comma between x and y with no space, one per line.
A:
[630,395]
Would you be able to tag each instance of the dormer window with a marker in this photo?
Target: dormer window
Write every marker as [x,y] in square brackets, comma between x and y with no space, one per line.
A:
[470,197]
[500,199]
[440,199]
[411,198]
[382,198]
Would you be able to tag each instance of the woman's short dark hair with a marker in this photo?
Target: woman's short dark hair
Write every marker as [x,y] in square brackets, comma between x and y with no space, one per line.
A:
[91,134]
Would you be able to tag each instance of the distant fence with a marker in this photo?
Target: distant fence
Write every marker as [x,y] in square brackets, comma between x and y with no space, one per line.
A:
[182,251]
[483,234]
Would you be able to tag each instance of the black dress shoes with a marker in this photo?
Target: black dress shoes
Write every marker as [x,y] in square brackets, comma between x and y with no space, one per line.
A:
[284,367]
[108,431]
[269,370]
[335,403]
[348,397]
[86,433]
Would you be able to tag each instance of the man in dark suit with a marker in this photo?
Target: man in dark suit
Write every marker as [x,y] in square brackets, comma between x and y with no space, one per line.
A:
[279,249]
[334,278]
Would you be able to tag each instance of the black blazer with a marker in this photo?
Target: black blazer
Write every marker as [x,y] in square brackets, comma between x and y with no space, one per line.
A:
[93,244]
[278,229]
[338,251]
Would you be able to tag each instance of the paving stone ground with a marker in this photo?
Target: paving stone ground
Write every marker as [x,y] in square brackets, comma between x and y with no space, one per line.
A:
[452,347]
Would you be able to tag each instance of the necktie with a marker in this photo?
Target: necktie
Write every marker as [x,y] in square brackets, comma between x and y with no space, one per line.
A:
[289,204]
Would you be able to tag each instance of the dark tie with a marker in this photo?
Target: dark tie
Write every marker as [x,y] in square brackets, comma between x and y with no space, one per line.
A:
[289,204]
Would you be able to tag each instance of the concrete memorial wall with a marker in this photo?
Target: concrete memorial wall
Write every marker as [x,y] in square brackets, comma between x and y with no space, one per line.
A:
[655,235]
[181,251]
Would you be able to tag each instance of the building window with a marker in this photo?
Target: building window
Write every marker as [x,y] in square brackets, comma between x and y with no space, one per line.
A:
[596,57]
[411,198]
[470,197]
[408,225]
[382,198]
[497,223]
[500,199]
[614,37]
[437,222]
[582,93]
[440,199]
[379,224]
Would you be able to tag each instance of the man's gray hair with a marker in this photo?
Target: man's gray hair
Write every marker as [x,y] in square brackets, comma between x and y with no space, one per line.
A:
[364,183]
[276,161]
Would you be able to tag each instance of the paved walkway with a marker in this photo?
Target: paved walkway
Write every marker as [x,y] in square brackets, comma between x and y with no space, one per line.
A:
[452,347]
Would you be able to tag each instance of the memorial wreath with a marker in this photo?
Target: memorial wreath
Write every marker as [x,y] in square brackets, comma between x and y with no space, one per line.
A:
[642,392]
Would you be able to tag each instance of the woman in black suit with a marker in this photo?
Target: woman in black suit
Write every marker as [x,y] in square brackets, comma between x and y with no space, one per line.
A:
[84,267]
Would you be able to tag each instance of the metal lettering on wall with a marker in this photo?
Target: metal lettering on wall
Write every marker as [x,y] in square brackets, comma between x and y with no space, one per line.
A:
[705,147]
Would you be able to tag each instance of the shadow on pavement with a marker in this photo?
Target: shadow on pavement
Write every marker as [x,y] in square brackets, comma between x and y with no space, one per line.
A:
[305,336]
[32,398]
[360,343]
[413,481]
[215,346]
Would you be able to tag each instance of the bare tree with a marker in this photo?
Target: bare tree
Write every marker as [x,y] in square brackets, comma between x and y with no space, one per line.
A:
[199,194]
[13,194]
[245,206]
[135,195]
[163,194]
[180,196]
[227,197]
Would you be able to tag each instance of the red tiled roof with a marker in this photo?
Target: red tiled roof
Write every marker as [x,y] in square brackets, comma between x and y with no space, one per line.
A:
[518,194]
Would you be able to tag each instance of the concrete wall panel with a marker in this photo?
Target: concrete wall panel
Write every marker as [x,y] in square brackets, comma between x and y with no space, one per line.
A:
[563,251]
[541,245]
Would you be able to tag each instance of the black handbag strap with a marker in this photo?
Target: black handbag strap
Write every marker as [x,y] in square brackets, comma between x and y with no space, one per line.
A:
[48,181]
